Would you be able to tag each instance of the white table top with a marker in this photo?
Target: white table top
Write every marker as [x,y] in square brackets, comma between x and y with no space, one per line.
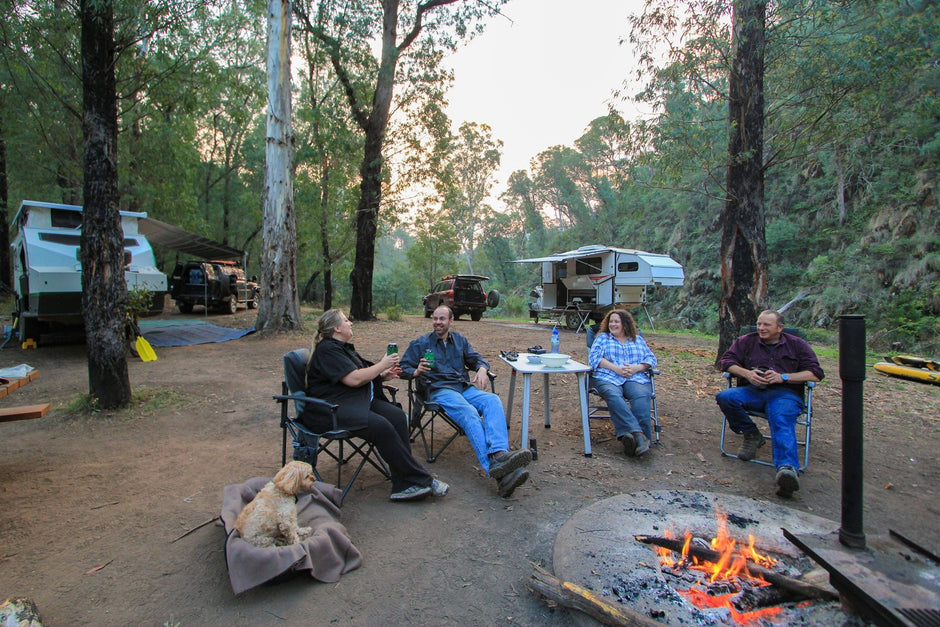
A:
[522,365]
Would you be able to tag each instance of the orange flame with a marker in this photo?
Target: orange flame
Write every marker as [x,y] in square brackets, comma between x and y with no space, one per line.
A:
[731,564]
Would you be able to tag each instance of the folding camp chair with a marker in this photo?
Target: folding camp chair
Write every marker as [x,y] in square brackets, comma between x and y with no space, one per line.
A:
[598,408]
[424,414]
[308,444]
[804,425]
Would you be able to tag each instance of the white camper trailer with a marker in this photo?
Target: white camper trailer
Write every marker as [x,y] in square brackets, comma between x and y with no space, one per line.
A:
[47,273]
[584,284]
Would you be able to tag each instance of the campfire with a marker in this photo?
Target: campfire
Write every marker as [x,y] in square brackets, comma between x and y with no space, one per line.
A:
[728,574]
[736,568]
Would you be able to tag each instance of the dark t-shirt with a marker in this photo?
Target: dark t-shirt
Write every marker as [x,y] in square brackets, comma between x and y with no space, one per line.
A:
[332,360]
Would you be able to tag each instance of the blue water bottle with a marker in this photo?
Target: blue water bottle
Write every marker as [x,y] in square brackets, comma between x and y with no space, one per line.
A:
[556,341]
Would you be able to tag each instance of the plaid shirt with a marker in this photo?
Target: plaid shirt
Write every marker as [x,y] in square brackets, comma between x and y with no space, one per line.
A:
[606,346]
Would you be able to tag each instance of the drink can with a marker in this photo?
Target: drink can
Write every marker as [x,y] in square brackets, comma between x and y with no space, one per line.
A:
[392,348]
[429,357]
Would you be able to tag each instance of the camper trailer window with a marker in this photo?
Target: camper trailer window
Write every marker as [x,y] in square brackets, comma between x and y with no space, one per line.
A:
[628,266]
[66,219]
[61,238]
[587,265]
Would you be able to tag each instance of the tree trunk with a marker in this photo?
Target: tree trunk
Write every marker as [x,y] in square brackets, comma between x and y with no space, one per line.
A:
[325,232]
[743,245]
[6,271]
[279,309]
[104,289]
[367,213]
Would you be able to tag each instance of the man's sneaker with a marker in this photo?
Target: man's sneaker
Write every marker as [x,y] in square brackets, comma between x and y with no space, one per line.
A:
[504,462]
[642,444]
[412,493]
[788,481]
[629,444]
[512,481]
[752,442]
[439,488]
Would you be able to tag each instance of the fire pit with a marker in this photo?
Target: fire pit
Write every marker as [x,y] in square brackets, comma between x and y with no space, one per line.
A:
[605,549]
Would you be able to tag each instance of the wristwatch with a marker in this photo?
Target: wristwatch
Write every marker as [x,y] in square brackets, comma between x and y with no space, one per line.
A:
[785,377]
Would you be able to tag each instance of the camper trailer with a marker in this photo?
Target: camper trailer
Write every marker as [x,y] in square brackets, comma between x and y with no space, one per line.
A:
[47,273]
[584,284]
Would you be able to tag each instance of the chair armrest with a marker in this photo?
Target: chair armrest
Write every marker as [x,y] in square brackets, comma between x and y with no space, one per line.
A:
[311,400]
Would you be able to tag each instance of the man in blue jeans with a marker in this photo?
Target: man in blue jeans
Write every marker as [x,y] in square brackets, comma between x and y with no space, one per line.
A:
[464,398]
[774,365]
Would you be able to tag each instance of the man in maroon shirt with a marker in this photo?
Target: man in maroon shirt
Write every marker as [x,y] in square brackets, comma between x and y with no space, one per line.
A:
[772,367]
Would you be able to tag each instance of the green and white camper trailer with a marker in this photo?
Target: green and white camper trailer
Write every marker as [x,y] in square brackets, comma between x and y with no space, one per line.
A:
[47,273]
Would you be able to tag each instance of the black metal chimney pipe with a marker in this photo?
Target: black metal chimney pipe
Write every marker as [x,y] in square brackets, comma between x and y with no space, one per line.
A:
[852,372]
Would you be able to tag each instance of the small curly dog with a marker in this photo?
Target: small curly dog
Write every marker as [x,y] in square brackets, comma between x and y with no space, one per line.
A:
[271,517]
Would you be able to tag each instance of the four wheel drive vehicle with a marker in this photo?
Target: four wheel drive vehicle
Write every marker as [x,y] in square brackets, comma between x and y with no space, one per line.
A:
[219,285]
[463,293]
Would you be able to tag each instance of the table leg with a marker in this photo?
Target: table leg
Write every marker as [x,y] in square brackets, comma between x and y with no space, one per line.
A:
[585,424]
[512,392]
[526,388]
[548,421]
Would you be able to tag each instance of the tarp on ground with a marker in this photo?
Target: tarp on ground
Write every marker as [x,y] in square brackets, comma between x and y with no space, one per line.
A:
[164,333]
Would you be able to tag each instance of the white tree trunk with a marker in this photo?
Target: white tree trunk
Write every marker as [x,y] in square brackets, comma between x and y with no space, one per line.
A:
[279,308]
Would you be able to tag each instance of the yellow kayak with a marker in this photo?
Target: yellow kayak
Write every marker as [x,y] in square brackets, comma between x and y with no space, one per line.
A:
[908,372]
[916,362]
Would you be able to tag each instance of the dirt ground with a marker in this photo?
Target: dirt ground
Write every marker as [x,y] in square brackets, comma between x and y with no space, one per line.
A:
[95,509]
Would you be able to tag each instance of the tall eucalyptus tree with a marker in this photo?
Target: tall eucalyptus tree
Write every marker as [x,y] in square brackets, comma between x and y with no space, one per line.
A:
[348,31]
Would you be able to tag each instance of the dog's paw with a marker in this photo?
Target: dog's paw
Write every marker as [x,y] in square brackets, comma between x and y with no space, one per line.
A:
[304,532]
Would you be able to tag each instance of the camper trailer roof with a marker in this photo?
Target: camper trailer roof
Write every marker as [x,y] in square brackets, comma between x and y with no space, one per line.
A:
[26,204]
[159,233]
[654,259]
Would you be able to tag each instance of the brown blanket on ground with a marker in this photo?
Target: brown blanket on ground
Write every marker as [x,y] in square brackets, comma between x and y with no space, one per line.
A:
[327,553]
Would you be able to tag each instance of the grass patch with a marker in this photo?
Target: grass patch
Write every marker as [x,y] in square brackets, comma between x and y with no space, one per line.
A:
[144,401]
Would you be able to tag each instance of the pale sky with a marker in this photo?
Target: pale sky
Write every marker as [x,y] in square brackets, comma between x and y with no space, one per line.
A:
[540,79]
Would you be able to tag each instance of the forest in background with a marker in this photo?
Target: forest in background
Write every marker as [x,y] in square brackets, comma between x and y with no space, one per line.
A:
[852,143]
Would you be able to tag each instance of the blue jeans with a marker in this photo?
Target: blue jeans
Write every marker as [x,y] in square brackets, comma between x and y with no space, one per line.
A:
[629,406]
[781,405]
[487,433]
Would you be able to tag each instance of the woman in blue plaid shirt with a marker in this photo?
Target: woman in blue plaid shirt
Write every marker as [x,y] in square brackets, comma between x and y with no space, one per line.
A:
[621,358]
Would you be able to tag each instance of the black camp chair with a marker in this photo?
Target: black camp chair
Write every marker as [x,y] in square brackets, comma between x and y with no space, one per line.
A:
[425,415]
[307,444]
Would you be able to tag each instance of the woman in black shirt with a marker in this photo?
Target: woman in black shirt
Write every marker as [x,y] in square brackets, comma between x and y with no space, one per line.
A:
[338,374]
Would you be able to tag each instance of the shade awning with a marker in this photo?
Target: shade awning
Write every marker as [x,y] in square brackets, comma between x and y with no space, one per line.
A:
[175,238]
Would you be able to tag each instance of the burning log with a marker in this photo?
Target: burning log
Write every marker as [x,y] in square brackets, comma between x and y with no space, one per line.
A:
[574,596]
[801,588]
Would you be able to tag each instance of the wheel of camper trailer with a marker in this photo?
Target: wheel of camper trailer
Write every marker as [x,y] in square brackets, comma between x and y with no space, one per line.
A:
[253,302]
[476,316]
[572,320]
[232,305]
[185,307]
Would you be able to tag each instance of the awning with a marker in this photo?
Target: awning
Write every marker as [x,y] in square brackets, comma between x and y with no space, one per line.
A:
[175,238]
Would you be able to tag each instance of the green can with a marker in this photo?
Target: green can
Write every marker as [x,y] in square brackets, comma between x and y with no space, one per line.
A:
[429,357]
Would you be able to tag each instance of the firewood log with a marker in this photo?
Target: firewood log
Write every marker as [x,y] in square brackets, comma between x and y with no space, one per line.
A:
[574,596]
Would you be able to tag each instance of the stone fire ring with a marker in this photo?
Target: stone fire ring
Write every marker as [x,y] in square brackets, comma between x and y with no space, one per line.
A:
[596,547]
